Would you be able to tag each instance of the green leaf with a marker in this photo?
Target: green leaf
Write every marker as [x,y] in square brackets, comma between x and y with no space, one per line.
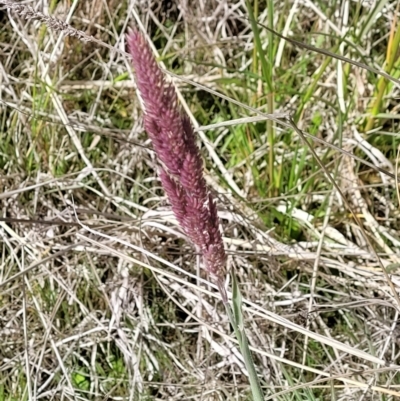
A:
[237,302]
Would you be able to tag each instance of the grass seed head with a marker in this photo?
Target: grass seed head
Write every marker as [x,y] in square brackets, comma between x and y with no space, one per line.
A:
[175,145]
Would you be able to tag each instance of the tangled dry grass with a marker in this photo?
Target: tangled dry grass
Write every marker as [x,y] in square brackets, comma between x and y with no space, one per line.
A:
[102,297]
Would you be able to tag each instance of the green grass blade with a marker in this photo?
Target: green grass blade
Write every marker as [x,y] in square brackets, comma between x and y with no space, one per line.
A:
[236,319]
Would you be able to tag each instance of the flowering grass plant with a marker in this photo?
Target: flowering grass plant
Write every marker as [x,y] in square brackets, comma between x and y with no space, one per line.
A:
[181,174]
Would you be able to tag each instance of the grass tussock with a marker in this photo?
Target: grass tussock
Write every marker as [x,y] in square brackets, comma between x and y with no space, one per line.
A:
[101,294]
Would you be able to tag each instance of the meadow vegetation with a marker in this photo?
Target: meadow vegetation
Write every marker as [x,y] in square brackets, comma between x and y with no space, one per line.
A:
[294,104]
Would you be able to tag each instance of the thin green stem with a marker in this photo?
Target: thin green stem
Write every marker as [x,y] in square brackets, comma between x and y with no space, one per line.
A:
[236,319]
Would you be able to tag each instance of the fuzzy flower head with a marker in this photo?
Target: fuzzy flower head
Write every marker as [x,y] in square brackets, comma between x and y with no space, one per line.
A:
[181,170]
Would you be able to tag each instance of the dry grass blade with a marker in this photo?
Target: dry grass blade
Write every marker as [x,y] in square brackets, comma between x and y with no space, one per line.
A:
[358,221]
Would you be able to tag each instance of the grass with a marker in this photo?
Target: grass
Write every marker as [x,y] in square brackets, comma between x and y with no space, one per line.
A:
[102,297]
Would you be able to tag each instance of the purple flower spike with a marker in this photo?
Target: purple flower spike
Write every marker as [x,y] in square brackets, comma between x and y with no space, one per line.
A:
[182,168]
